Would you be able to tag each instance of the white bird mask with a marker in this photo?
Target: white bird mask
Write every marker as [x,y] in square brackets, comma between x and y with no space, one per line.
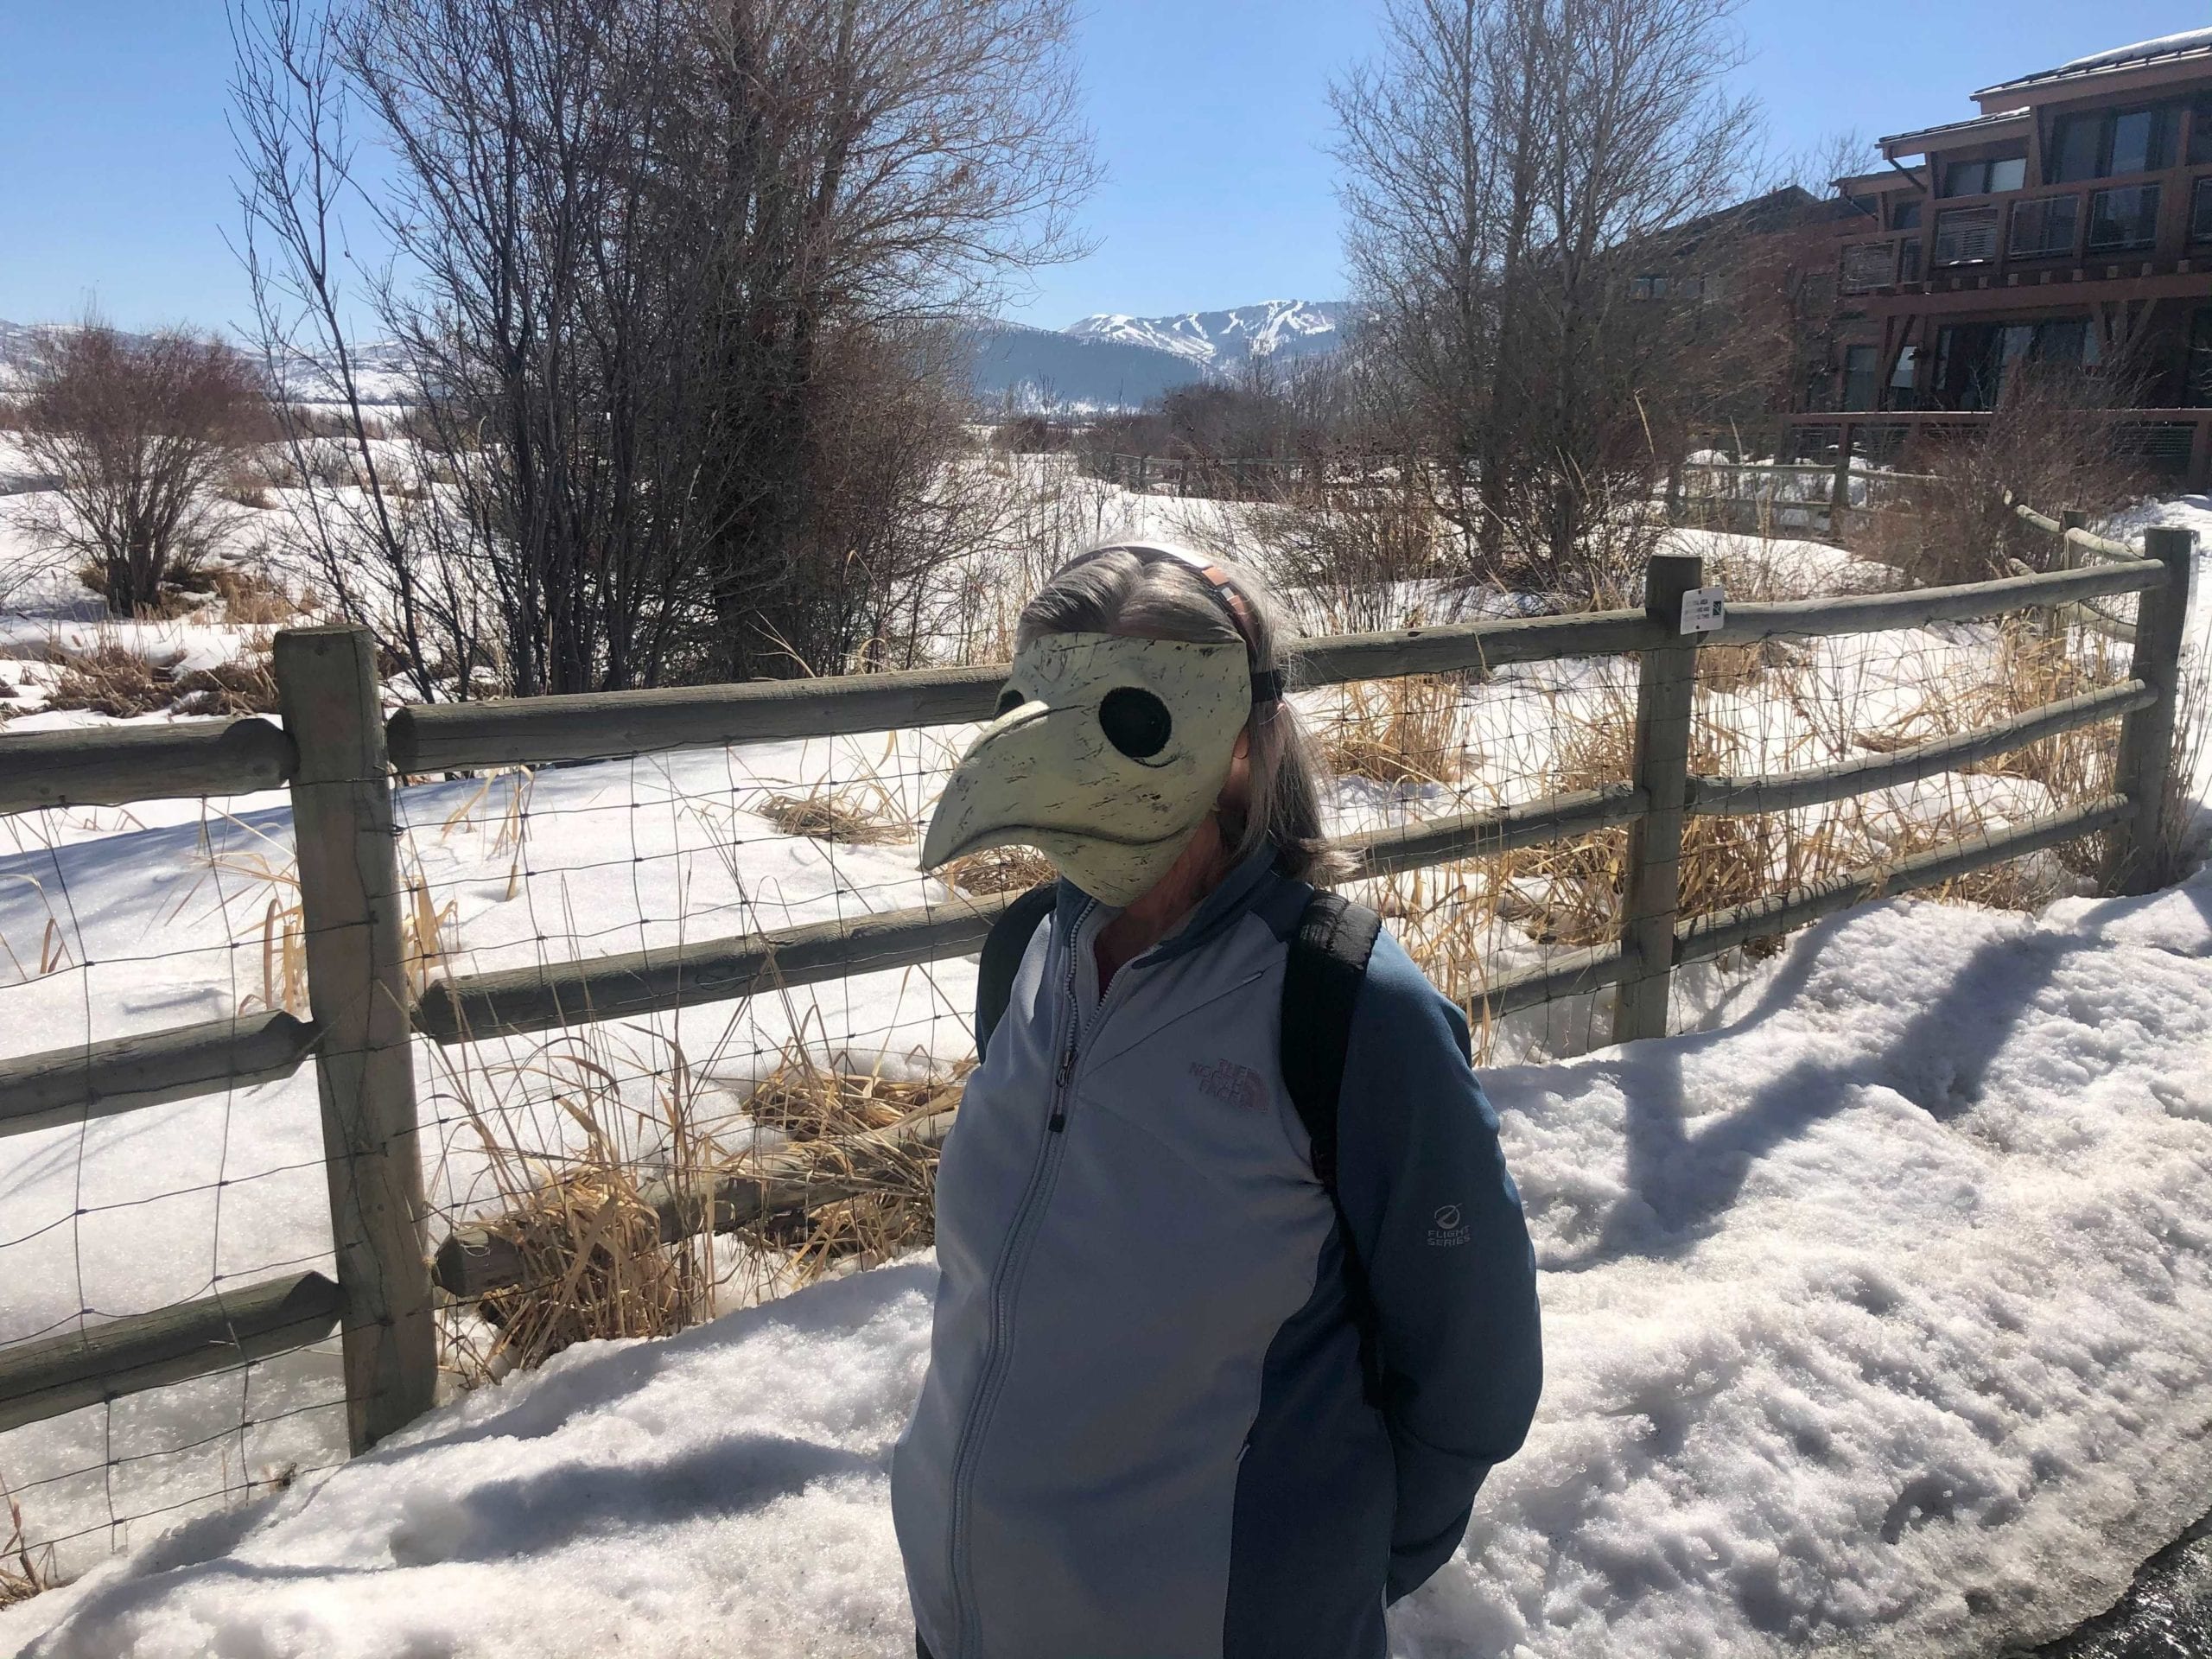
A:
[1107,754]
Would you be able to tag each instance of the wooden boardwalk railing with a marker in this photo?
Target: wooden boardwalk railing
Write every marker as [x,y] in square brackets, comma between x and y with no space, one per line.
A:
[340,757]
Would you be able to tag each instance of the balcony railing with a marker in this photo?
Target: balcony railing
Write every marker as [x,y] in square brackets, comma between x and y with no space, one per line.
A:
[2034,233]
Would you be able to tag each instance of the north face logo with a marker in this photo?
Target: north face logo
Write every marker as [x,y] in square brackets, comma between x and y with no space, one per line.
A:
[1225,1080]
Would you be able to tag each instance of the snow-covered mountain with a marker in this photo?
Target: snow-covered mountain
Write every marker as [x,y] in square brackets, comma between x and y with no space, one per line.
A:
[1110,360]
[1221,340]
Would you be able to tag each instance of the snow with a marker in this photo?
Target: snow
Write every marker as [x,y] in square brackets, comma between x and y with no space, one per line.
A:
[1877,1311]
[2188,40]
[1222,339]
[1875,1305]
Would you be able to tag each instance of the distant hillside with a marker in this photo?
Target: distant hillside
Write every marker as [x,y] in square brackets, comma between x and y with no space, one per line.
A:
[1112,361]
[1037,368]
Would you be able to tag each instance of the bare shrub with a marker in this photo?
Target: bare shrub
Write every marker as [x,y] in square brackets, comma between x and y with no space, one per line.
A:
[2053,441]
[672,324]
[139,434]
[1515,169]
[1353,563]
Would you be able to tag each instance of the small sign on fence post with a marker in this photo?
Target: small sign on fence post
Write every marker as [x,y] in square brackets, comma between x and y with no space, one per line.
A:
[1704,609]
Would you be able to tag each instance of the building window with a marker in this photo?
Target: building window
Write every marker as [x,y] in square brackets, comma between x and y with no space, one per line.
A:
[1909,260]
[1981,178]
[1972,360]
[1965,236]
[1902,377]
[1905,215]
[1869,264]
[1647,288]
[2044,228]
[2111,143]
[2200,132]
[2200,211]
[1859,372]
[2124,218]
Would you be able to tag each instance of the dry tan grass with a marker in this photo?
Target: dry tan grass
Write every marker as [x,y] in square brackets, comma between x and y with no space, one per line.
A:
[252,598]
[820,1110]
[1456,918]
[1732,670]
[24,1573]
[854,814]
[246,684]
[108,679]
[998,869]
[1402,731]
[580,1219]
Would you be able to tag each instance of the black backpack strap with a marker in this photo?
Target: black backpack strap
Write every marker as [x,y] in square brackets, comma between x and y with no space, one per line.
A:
[1003,948]
[1320,990]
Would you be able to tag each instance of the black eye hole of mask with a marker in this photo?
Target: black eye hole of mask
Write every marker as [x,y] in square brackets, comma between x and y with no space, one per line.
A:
[1010,700]
[1135,721]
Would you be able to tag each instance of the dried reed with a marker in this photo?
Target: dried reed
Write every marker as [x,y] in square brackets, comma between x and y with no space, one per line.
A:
[24,1573]
[864,814]
[1401,731]
[998,869]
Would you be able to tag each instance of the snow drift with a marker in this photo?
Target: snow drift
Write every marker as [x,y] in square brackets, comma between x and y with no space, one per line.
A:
[1877,1311]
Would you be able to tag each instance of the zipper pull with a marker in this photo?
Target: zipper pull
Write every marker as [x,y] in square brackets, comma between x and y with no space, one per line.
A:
[1059,1120]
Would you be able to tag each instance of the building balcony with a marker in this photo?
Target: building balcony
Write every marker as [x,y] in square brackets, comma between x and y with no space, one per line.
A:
[2000,251]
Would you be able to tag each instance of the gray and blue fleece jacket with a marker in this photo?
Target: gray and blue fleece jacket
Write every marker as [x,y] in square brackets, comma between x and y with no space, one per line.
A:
[1148,1430]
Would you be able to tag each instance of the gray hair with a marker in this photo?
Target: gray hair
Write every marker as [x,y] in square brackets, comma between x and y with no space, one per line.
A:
[1148,592]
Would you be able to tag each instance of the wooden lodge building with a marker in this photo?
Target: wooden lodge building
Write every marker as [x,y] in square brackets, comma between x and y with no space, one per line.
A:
[2070,221]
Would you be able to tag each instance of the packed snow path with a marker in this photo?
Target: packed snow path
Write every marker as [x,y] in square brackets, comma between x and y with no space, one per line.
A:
[1882,1309]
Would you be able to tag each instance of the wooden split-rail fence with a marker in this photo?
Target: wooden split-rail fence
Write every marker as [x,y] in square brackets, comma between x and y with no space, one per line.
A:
[339,757]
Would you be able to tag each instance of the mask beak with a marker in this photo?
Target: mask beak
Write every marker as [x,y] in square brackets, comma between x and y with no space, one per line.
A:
[991,800]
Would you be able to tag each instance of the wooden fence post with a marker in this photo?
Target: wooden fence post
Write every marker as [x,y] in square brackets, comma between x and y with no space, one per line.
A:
[2146,738]
[350,900]
[1665,684]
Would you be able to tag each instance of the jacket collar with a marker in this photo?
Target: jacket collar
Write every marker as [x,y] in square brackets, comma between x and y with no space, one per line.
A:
[1235,893]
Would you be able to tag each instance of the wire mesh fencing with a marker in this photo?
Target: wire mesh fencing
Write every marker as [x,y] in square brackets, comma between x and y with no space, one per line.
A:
[689,1023]
[115,922]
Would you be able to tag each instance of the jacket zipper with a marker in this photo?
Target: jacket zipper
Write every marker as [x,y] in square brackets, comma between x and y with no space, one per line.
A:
[1013,1257]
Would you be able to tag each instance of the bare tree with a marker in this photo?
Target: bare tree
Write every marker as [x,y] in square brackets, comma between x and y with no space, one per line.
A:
[137,432]
[656,259]
[1524,178]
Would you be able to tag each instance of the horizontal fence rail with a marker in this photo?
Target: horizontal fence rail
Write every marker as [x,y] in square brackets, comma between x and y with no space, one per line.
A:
[216,1333]
[1722,930]
[71,1086]
[1816,786]
[476,1259]
[109,766]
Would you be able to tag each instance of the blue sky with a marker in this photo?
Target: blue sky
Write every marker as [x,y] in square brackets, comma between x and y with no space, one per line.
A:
[1211,117]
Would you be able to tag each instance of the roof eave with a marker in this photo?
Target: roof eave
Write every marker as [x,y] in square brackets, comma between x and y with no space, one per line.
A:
[1974,131]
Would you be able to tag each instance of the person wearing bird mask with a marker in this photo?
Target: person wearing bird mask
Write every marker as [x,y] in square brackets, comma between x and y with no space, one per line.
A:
[1236,1306]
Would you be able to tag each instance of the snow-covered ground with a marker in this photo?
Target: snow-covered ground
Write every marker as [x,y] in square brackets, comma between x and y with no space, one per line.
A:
[1877,1308]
